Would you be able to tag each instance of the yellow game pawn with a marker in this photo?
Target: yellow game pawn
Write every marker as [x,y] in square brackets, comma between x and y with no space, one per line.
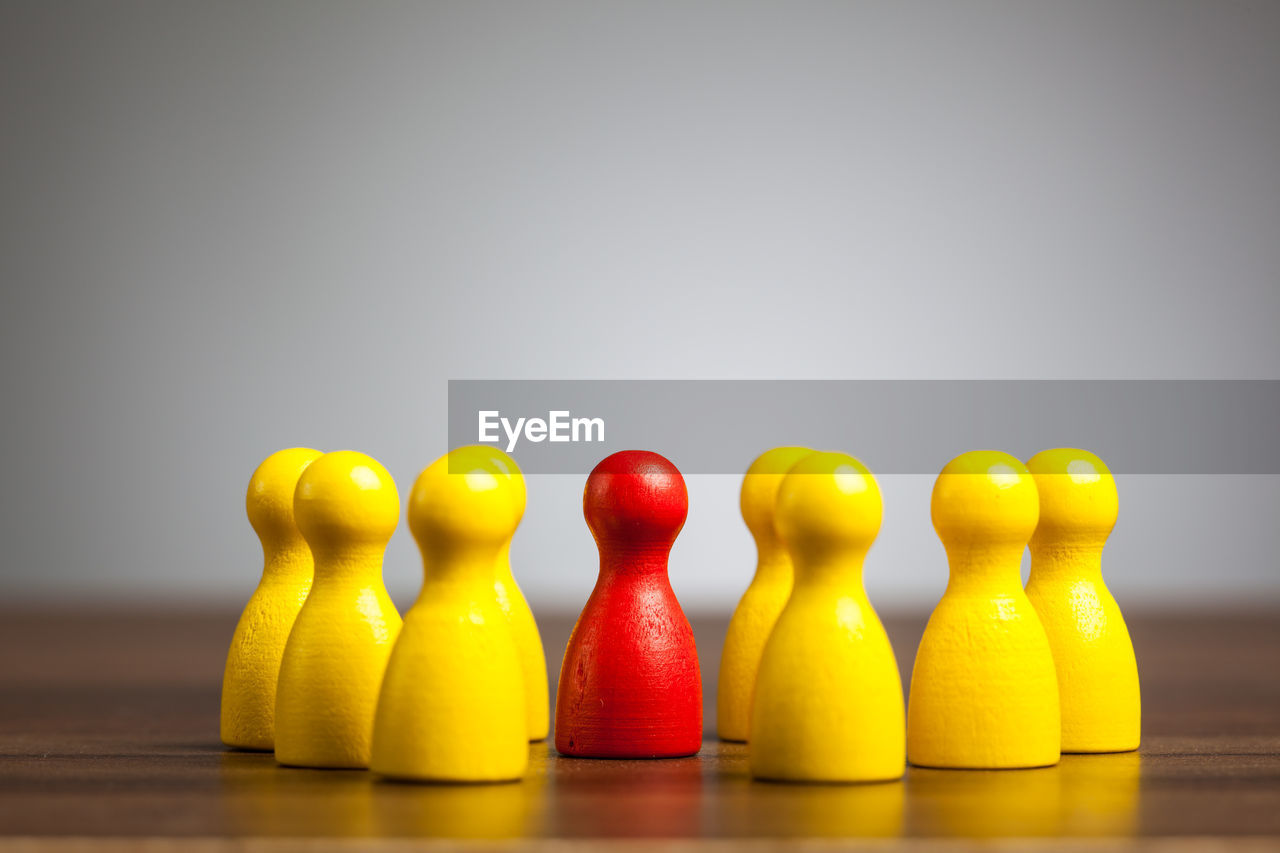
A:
[828,698]
[984,693]
[524,629]
[253,663]
[764,599]
[1097,671]
[452,707]
[347,508]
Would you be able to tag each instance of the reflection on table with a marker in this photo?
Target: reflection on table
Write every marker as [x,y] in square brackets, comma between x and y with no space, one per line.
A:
[710,794]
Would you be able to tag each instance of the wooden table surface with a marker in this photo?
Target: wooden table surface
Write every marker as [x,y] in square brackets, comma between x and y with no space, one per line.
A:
[109,735]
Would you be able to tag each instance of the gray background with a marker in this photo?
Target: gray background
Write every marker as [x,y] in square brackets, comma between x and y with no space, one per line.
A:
[231,227]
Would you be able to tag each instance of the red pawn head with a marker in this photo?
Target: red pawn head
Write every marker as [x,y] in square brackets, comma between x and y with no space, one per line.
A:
[636,498]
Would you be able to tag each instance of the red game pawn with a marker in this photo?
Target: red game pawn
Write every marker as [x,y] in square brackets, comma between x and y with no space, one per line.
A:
[630,685]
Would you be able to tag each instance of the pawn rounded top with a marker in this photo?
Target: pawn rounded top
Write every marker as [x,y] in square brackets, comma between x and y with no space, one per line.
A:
[985,495]
[759,498]
[637,496]
[467,496]
[1077,494]
[346,498]
[269,499]
[505,465]
[829,501]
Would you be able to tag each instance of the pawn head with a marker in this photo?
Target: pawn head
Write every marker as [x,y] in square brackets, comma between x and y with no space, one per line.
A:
[828,502]
[504,463]
[759,498]
[467,499]
[269,500]
[346,498]
[1078,498]
[635,496]
[985,496]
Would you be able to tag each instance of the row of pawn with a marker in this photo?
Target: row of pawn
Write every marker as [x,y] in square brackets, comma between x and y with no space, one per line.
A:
[322,669]
[1004,677]
[324,674]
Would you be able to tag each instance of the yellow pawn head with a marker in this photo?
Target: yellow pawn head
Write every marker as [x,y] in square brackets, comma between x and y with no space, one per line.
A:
[759,498]
[346,499]
[1078,499]
[466,503]
[508,468]
[839,509]
[985,498]
[269,499]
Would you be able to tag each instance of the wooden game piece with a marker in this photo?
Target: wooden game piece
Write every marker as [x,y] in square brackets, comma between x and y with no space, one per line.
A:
[524,629]
[828,697]
[984,693]
[452,707]
[762,602]
[253,662]
[347,508]
[630,685]
[1097,671]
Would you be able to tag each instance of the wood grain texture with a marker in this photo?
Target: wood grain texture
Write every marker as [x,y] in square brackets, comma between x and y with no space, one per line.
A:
[109,730]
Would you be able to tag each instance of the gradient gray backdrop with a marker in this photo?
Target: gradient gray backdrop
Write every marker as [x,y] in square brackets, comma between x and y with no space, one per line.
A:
[227,227]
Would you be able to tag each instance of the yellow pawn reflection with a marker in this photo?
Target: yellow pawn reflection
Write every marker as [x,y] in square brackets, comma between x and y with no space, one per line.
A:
[985,804]
[1097,671]
[347,508]
[1099,794]
[984,693]
[456,811]
[253,662]
[262,799]
[524,629]
[1083,796]
[452,707]
[826,811]
[828,699]
[764,599]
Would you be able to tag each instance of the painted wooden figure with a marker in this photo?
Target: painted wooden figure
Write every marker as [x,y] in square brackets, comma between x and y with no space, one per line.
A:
[828,698]
[253,662]
[1097,670]
[764,599]
[630,685]
[452,707]
[984,693]
[347,508]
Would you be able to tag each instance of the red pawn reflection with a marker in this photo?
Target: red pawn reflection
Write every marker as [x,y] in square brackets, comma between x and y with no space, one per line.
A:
[630,685]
